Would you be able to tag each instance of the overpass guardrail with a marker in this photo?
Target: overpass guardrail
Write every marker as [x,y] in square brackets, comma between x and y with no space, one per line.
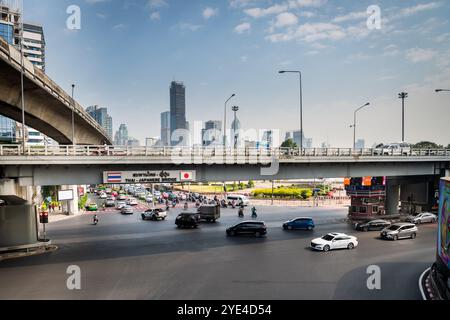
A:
[207,152]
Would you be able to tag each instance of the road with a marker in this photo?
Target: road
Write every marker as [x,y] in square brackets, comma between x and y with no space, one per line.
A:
[126,258]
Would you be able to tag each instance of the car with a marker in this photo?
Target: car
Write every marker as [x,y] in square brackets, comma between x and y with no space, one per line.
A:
[187,220]
[127,210]
[154,214]
[92,207]
[103,195]
[398,148]
[157,193]
[422,218]
[120,205]
[399,231]
[110,203]
[112,198]
[149,199]
[372,225]
[132,202]
[256,228]
[238,199]
[299,223]
[333,241]
[121,197]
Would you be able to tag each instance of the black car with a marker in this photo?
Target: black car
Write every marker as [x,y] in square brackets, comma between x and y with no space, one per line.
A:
[372,225]
[187,220]
[257,228]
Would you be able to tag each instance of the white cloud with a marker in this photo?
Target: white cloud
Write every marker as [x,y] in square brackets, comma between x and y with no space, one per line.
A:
[391,51]
[259,12]
[240,3]
[306,3]
[210,12]
[443,37]
[155,16]
[243,27]
[101,15]
[119,26]
[244,59]
[286,19]
[418,8]
[185,26]
[157,3]
[420,55]
[96,1]
[310,32]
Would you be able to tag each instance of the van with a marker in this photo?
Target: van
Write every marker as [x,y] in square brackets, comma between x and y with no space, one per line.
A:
[209,212]
[238,199]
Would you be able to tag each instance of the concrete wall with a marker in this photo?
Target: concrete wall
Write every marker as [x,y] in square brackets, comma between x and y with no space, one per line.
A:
[17,225]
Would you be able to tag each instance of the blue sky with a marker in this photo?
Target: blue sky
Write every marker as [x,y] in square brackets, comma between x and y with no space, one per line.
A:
[128,51]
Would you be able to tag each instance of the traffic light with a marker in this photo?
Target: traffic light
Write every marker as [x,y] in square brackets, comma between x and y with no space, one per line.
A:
[43,217]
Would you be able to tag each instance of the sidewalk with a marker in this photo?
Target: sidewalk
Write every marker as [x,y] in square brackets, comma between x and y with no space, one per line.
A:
[59,216]
[299,203]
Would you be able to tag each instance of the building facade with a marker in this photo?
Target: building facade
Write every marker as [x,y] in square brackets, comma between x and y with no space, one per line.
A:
[102,117]
[165,128]
[360,144]
[368,195]
[212,133]
[34,44]
[177,107]
[121,136]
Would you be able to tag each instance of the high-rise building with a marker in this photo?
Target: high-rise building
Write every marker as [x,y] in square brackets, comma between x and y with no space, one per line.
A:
[177,107]
[133,142]
[296,134]
[10,26]
[235,129]
[102,117]
[165,128]
[212,133]
[151,142]
[34,44]
[360,144]
[121,136]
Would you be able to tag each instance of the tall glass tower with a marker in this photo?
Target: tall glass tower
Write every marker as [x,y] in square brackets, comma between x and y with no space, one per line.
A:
[177,107]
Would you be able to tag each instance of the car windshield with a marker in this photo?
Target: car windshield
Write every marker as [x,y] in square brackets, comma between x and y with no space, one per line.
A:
[328,237]
[393,227]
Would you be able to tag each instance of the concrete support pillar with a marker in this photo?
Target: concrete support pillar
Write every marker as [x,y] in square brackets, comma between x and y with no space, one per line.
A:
[71,206]
[447,173]
[392,198]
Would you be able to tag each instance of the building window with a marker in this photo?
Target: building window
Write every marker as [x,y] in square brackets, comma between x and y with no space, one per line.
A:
[375,209]
[362,209]
[354,209]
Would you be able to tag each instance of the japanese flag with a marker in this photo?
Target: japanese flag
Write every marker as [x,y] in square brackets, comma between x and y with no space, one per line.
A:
[186,176]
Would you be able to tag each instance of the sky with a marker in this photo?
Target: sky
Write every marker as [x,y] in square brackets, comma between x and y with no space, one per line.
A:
[127,52]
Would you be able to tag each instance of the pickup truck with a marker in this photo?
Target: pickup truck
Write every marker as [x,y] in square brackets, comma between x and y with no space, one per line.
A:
[209,212]
[154,214]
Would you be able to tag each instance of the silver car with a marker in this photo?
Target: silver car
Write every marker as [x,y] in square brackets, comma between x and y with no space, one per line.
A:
[127,210]
[422,218]
[399,231]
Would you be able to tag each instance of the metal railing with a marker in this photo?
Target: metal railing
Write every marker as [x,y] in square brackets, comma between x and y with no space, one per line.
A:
[208,152]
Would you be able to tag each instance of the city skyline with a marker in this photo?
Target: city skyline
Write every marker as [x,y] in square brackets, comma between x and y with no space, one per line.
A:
[409,53]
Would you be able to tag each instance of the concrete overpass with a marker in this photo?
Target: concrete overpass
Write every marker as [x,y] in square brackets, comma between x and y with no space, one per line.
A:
[63,165]
[48,108]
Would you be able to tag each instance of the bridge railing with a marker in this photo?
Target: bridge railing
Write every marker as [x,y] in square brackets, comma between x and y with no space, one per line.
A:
[208,152]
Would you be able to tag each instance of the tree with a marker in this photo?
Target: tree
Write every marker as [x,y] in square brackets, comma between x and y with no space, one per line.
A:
[427,145]
[289,143]
[250,184]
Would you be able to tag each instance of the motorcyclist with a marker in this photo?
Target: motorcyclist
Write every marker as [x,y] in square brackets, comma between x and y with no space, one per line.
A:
[186,206]
[233,204]
[254,212]
[241,212]
[95,219]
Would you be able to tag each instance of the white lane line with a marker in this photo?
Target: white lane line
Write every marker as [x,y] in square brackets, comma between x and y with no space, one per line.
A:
[424,297]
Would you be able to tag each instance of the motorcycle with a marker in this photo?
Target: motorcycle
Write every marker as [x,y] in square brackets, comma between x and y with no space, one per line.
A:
[224,204]
[241,213]
[197,204]
[233,204]
[95,220]
[186,206]
[254,215]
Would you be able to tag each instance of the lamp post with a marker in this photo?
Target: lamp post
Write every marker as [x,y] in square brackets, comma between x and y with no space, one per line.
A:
[225,121]
[235,109]
[354,123]
[22,89]
[301,105]
[73,117]
[403,96]
[442,90]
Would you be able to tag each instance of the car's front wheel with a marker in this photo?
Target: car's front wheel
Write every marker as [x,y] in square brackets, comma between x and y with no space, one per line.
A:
[350,246]
[413,236]
[289,227]
[309,228]
[326,248]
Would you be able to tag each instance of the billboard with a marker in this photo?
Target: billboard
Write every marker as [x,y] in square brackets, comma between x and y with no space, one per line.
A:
[444,222]
[64,195]
[164,176]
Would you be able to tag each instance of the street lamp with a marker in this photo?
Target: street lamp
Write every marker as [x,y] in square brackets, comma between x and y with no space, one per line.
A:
[225,121]
[301,105]
[403,96]
[235,109]
[22,89]
[354,123]
[73,116]
[441,90]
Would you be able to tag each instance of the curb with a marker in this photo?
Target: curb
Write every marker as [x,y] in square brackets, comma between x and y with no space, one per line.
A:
[40,250]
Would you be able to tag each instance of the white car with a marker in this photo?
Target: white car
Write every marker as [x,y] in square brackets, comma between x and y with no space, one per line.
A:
[120,205]
[334,240]
[132,202]
[396,149]
[422,218]
[103,196]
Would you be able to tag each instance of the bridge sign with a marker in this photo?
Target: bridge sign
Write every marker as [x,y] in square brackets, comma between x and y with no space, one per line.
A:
[169,176]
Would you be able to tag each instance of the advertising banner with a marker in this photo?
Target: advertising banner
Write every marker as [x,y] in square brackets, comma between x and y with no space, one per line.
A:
[169,176]
[444,222]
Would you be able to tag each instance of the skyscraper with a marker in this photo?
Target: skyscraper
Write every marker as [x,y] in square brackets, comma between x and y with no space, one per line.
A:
[177,107]
[10,24]
[212,132]
[235,129]
[34,44]
[121,136]
[102,117]
[165,128]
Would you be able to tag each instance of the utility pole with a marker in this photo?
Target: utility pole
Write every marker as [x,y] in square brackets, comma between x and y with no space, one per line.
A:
[403,96]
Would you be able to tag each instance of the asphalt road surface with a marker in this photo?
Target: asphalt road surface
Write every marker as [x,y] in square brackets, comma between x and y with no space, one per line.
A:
[124,257]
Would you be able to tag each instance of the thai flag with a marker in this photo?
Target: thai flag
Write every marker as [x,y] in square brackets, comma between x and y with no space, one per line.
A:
[114,177]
